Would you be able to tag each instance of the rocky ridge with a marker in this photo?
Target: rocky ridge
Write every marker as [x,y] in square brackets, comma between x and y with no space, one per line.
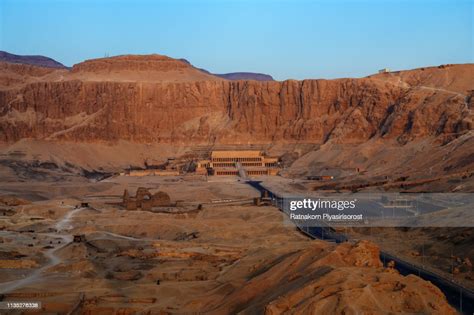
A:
[80,107]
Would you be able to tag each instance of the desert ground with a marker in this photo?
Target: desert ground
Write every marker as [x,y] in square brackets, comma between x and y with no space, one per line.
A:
[230,256]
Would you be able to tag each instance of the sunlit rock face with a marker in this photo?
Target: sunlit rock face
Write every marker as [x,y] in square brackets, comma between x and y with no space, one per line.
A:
[159,99]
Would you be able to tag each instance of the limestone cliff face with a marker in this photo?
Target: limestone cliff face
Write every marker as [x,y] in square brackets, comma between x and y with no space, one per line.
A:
[345,111]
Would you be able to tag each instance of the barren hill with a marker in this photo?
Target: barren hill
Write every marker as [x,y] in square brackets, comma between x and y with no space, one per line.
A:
[39,61]
[456,78]
[138,68]
[236,75]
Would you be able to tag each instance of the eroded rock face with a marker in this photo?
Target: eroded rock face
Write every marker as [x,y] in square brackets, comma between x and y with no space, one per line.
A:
[159,99]
[362,293]
[361,254]
[346,111]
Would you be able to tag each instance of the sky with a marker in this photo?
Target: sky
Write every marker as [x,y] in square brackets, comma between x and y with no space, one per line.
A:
[289,39]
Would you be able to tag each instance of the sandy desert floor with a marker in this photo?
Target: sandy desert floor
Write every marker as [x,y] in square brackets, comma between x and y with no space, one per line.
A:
[229,257]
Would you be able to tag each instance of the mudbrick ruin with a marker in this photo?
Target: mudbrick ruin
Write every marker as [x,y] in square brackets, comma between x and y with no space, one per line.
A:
[144,200]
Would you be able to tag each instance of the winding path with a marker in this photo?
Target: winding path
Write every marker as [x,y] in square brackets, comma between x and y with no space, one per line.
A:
[62,226]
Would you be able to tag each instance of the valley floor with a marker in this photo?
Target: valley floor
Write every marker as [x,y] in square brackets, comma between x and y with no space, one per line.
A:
[228,257]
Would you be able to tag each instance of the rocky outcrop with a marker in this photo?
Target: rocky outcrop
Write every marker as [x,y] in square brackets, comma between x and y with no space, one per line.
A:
[348,279]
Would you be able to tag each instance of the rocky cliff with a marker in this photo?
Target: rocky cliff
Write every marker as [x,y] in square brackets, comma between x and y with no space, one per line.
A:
[75,107]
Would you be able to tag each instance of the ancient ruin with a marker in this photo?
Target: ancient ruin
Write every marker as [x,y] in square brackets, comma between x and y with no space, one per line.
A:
[238,163]
[145,200]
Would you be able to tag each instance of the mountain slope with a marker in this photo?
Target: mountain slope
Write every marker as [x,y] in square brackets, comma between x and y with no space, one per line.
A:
[246,76]
[40,61]
[447,78]
[236,75]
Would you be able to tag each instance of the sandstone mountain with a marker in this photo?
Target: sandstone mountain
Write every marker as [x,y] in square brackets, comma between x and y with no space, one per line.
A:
[135,68]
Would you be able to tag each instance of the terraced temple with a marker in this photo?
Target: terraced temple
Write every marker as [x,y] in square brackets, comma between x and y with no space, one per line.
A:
[252,163]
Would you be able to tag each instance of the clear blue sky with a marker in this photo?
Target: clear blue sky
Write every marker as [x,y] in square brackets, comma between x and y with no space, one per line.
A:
[285,38]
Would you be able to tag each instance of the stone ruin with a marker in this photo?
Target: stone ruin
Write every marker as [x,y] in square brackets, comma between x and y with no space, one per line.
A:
[145,200]
[263,200]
